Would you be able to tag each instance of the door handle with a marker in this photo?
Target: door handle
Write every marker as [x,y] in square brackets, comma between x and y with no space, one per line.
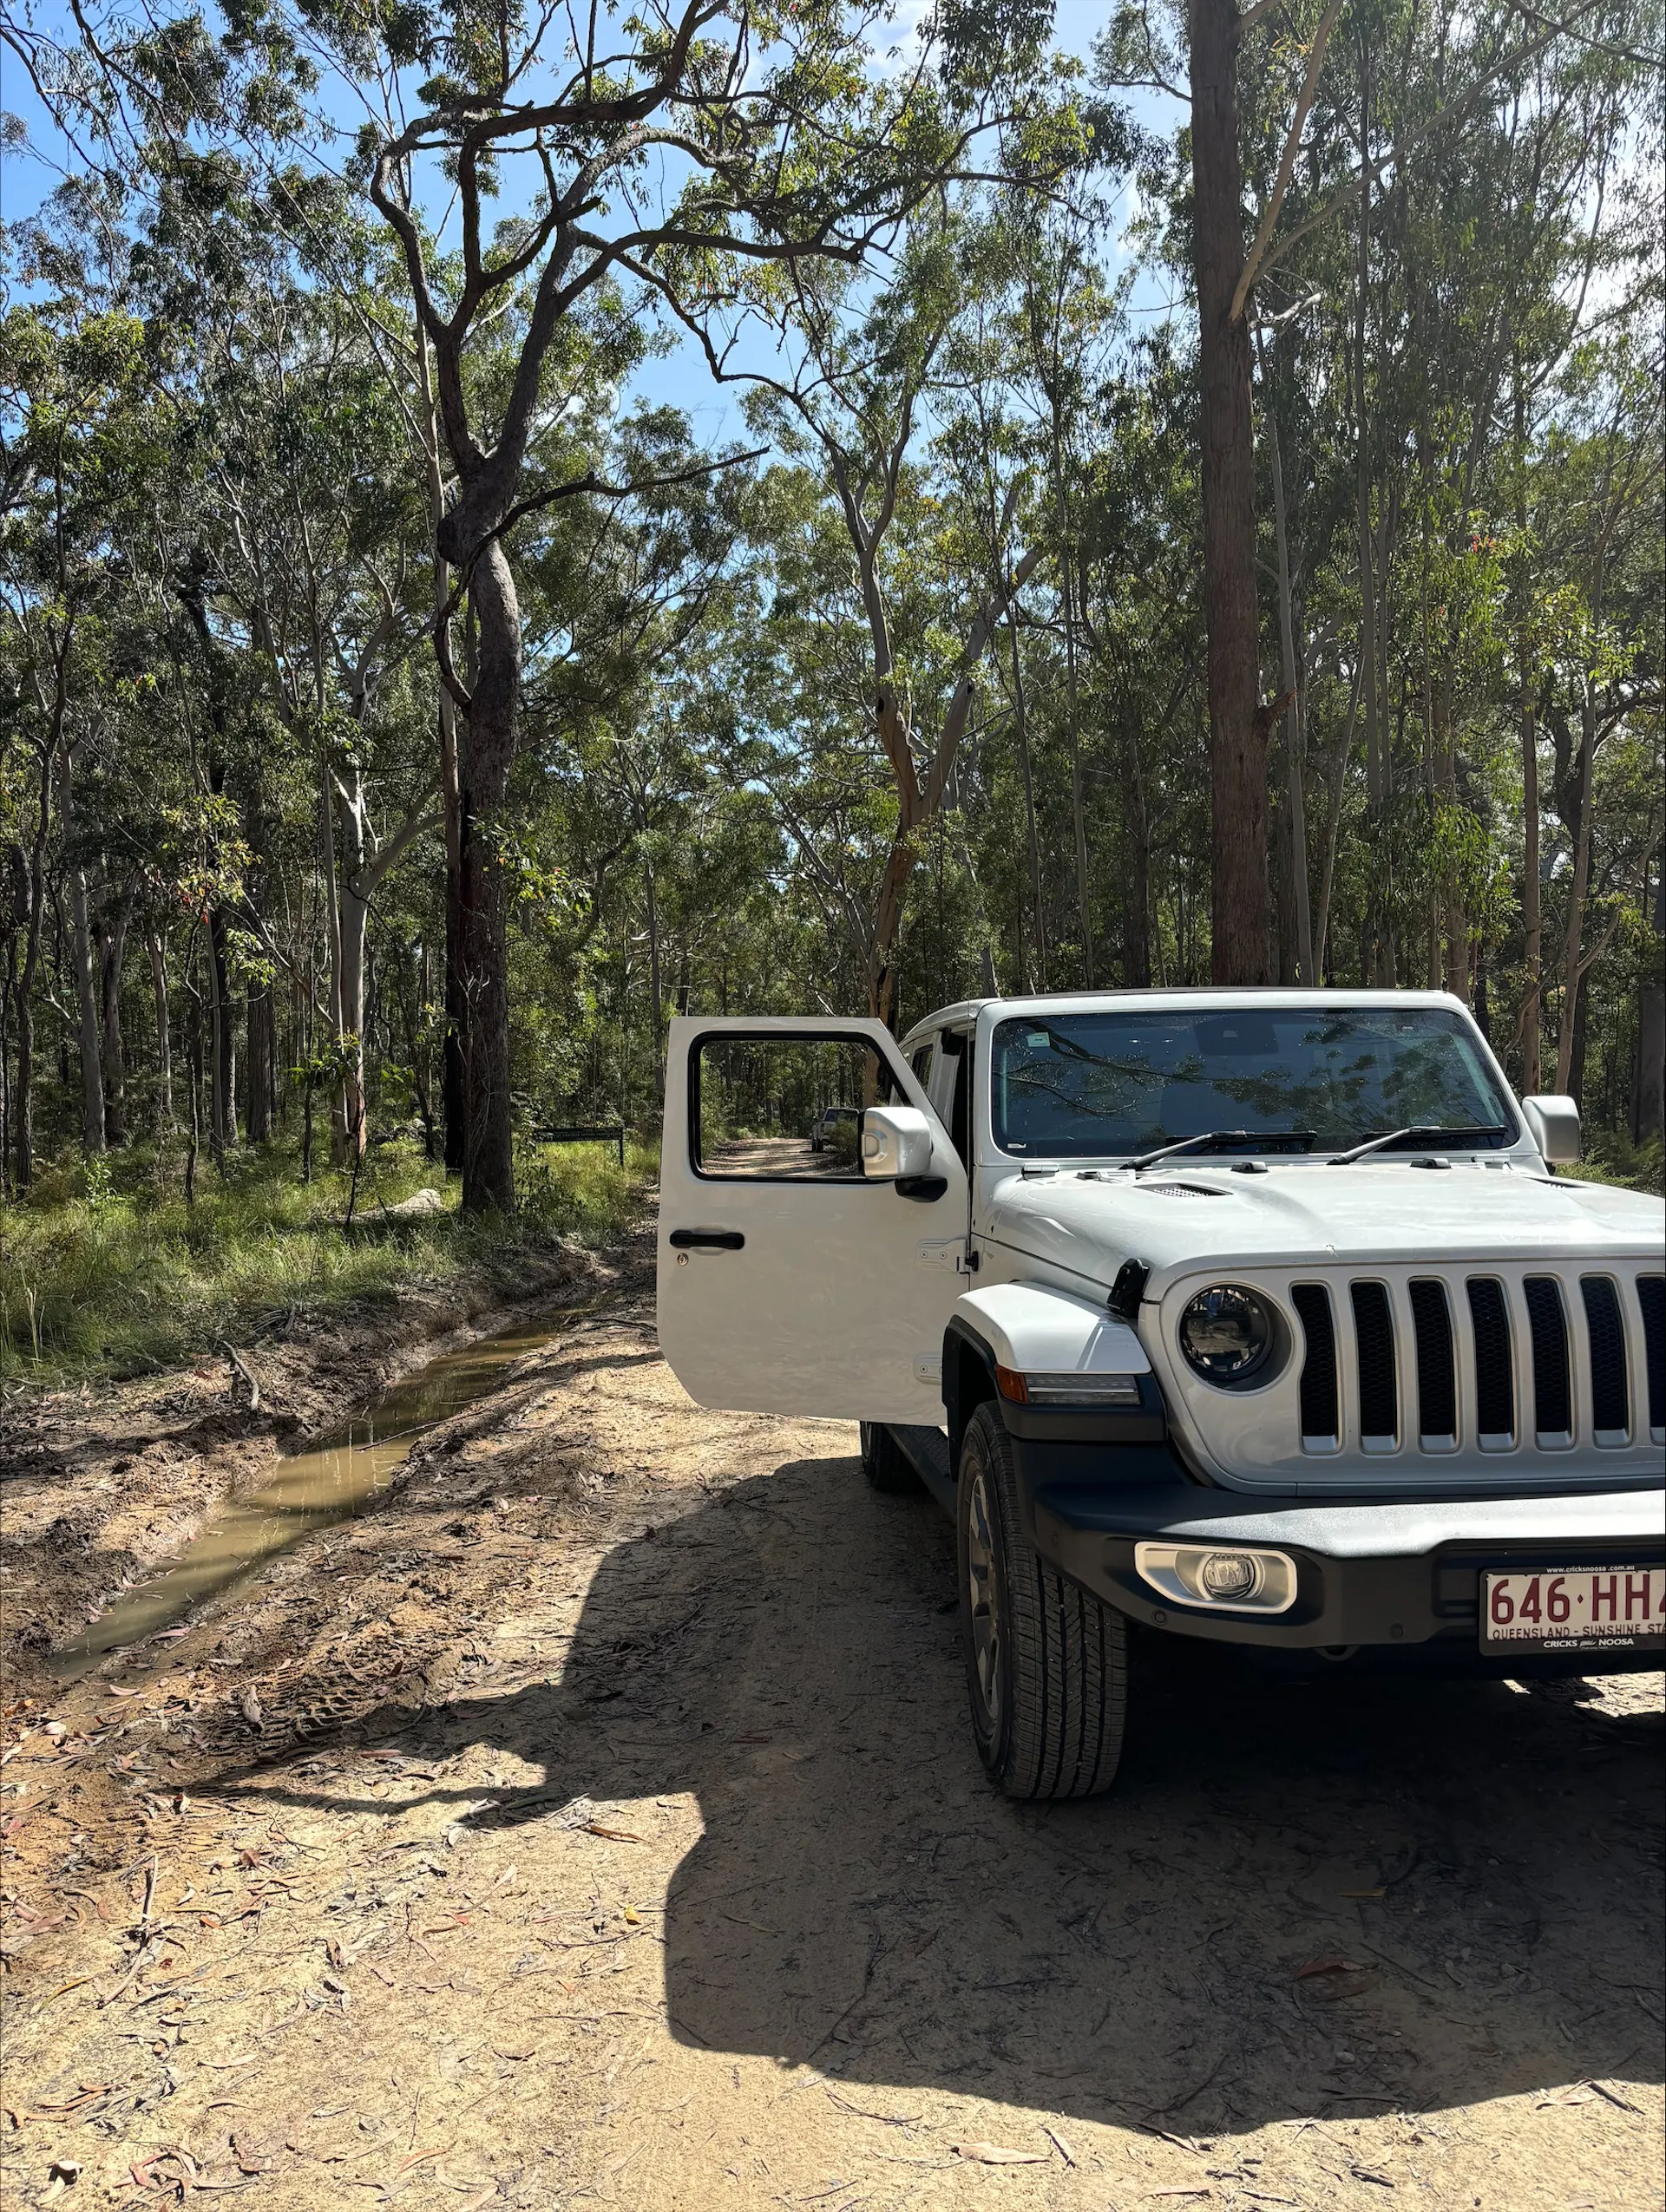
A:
[706,1240]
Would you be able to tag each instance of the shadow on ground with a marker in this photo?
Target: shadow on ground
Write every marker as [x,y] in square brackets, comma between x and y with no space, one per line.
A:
[861,1901]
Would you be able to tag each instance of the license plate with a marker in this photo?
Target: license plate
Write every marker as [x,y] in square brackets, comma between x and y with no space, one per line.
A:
[1574,1609]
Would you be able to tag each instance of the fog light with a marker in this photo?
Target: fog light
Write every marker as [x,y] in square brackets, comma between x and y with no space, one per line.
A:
[1199,1574]
[1229,1575]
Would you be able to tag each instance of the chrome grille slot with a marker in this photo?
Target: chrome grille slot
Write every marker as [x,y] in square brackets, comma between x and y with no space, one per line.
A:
[1547,1324]
[1373,1330]
[1495,1389]
[1651,1297]
[1321,1416]
[1437,1382]
[1610,1413]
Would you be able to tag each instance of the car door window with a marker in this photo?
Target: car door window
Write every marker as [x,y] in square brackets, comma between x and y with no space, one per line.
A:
[782,1108]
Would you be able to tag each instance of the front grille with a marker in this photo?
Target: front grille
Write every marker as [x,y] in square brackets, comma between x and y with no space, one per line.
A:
[1548,1325]
[1437,1382]
[1502,1362]
[1651,1296]
[1320,1421]
[1495,1389]
[1609,1414]
[1373,1330]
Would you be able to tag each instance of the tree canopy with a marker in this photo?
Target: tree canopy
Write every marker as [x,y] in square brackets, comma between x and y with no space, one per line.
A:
[1190,508]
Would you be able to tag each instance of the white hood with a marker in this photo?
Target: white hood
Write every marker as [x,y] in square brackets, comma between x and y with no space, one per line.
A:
[1175,1218]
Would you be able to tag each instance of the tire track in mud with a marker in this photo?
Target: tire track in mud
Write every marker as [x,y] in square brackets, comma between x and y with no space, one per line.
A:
[598,1820]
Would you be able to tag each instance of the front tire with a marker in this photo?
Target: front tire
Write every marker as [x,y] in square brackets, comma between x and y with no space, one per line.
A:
[883,1462]
[1046,1663]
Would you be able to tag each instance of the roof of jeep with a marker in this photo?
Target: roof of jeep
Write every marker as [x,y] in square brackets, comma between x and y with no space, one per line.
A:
[966,1011]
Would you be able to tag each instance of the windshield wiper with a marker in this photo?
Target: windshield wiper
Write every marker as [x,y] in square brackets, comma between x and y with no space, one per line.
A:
[1212,1137]
[1393,1136]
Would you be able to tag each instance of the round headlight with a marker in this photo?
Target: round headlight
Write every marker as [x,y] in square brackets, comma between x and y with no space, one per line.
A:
[1226,1333]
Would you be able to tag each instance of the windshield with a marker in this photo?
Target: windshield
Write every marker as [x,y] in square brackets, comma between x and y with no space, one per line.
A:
[1105,1085]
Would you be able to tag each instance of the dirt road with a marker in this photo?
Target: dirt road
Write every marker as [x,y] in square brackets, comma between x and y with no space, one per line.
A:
[598,1823]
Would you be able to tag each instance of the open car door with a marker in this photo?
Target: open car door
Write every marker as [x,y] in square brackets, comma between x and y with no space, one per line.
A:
[790,1282]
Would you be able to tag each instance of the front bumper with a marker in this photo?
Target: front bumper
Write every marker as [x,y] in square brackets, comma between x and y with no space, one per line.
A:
[1369,1572]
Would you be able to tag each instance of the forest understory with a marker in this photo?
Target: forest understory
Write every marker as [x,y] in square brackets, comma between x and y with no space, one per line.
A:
[595,1819]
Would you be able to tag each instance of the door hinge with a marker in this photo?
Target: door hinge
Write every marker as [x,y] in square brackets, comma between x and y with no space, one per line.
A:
[950,1254]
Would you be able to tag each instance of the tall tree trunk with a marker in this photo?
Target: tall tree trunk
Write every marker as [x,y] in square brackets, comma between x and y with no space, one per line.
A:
[1375,781]
[1077,813]
[352,930]
[1532,922]
[656,979]
[1137,880]
[1651,1116]
[1578,891]
[1038,980]
[31,884]
[452,1107]
[112,945]
[1580,1036]
[164,1054]
[489,1158]
[222,1106]
[453,1103]
[1333,827]
[260,1014]
[1294,729]
[81,956]
[257,1053]
[1237,738]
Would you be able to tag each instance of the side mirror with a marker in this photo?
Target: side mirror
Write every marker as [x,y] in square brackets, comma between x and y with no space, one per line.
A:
[895,1143]
[1553,1124]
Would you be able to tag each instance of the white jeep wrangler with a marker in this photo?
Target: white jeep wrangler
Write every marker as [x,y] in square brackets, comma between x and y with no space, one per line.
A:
[1252,1315]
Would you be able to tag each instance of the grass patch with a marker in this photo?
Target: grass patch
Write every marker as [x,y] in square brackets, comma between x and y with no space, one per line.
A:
[105,1271]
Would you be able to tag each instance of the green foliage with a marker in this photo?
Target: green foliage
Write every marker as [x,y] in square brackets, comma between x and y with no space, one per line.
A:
[109,1271]
[226,461]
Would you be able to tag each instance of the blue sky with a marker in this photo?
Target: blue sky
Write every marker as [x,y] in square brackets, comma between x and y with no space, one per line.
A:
[681,377]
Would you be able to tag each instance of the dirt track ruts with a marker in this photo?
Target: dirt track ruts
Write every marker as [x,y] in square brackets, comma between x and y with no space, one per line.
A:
[599,1822]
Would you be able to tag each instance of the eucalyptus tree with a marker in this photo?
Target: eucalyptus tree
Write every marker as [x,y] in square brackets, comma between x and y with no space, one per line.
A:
[688,149]
[78,432]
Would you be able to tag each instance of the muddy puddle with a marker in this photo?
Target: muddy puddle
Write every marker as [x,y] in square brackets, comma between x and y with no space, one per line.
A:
[346,1474]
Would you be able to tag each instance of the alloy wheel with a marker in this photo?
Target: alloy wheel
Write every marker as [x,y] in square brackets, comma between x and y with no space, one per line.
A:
[983,1590]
